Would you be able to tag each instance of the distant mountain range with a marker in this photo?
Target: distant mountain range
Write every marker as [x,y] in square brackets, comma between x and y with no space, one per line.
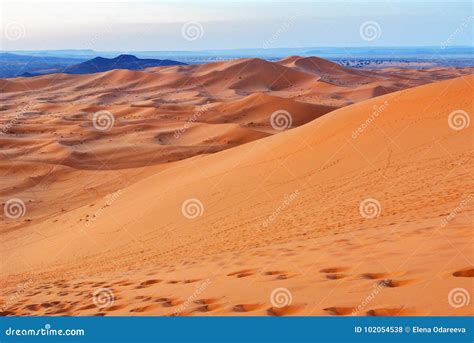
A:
[130,62]
[13,65]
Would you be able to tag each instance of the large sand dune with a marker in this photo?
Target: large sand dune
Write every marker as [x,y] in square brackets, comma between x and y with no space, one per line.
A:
[347,214]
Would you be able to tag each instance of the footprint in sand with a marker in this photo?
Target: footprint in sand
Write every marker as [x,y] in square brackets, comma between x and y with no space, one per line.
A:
[396,283]
[283,311]
[334,270]
[374,276]
[246,307]
[207,305]
[466,272]
[144,308]
[242,273]
[280,274]
[395,312]
[340,311]
[148,283]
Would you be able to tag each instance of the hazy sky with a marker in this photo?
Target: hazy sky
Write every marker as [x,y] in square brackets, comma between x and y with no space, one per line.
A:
[197,25]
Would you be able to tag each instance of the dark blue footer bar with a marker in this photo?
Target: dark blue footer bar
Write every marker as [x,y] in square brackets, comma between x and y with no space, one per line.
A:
[237,329]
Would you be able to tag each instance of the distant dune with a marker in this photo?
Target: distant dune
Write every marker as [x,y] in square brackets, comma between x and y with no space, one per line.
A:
[226,188]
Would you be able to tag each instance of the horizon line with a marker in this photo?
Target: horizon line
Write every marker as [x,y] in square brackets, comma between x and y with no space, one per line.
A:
[237,49]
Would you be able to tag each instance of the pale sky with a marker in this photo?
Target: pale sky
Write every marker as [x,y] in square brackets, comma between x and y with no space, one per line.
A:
[198,25]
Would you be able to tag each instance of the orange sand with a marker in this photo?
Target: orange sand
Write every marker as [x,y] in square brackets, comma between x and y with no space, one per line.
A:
[277,212]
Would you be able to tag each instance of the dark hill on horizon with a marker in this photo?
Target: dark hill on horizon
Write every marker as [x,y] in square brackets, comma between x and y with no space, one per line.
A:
[130,62]
[16,65]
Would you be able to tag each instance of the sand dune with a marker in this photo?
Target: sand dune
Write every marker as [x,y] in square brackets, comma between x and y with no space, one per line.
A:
[281,225]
